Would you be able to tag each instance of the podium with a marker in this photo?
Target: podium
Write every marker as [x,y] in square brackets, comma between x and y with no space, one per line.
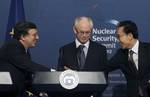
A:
[5,81]
[87,82]
[7,88]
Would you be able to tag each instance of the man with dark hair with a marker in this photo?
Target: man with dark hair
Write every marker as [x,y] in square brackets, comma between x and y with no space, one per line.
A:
[22,28]
[15,58]
[133,59]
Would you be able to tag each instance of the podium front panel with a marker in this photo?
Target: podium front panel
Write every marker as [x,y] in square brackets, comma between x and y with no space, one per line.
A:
[88,81]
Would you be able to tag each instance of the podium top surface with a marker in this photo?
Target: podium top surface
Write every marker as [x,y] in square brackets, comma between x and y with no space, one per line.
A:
[84,77]
[5,78]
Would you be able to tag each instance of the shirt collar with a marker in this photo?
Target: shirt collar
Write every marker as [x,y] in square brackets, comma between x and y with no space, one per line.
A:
[135,47]
[78,43]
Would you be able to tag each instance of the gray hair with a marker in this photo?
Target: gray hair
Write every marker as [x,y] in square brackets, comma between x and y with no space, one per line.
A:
[78,19]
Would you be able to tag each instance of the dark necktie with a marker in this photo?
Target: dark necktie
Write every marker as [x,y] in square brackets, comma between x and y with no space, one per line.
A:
[133,63]
[81,56]
[130,58]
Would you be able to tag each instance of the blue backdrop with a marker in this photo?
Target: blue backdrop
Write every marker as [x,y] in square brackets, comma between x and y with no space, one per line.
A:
[55,18]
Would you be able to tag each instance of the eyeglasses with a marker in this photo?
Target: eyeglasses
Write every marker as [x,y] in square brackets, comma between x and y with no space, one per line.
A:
[84,32]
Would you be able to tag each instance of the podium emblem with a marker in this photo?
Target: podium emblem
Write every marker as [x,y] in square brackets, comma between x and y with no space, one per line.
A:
[69,79]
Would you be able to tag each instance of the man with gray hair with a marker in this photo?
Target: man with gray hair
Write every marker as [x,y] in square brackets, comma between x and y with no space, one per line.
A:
[82,54]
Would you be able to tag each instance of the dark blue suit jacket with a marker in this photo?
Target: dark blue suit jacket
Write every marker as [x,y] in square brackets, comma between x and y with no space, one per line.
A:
[14,59]
[96,58]
[134,77]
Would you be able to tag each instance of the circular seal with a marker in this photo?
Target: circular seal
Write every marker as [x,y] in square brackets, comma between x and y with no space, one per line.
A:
[69,79]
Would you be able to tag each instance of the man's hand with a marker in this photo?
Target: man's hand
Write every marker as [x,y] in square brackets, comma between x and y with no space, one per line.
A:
[66,68]
[43,94]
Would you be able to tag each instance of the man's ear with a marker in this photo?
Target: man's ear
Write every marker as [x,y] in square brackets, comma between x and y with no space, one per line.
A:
[75,30]
[22,37]
[130,35]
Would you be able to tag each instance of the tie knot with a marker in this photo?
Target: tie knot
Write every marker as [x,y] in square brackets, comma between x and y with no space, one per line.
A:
[131,52]
[81,47]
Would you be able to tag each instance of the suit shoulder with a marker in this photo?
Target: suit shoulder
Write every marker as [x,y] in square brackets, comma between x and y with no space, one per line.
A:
[98,45]
[9,43]
[121,51]
[67,46]
[145,44]
[12,42]
[12,45]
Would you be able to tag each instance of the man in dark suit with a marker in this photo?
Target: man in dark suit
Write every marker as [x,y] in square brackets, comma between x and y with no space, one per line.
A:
[83,54]
[133,59]
[15,57]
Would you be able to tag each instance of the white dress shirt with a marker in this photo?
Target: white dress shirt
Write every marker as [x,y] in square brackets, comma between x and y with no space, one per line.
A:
[135,49]
[85,49]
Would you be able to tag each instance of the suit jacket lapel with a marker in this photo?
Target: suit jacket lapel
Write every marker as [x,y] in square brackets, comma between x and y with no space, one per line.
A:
[132,67]
[141,58]
[89,53]
[126,58]
[74,52]
[24,50]
[28,54]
